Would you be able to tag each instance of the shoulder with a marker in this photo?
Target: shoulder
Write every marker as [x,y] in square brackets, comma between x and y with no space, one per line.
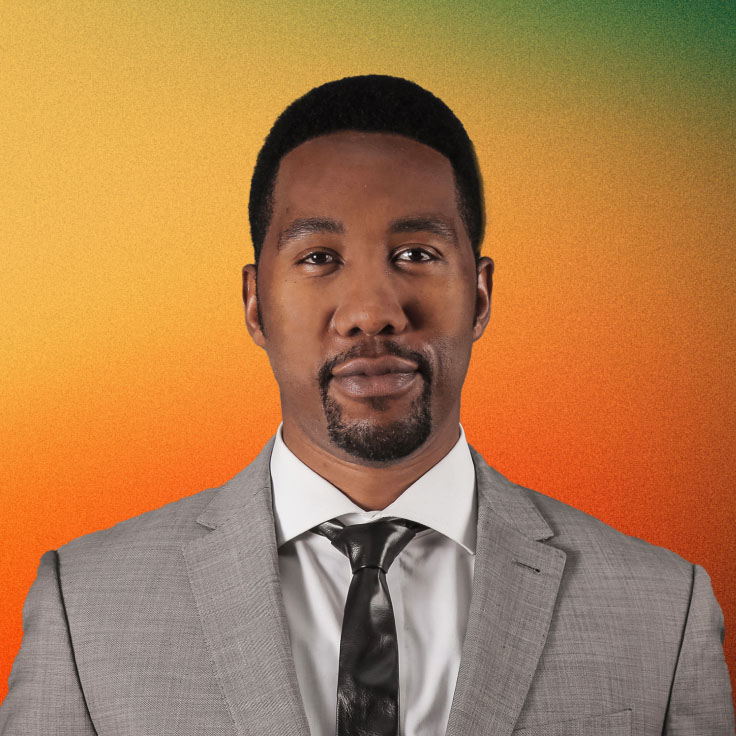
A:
[168,526]
[606,569]
[594,549]
[138,559]
[612,581]
[173,525]
[589,539]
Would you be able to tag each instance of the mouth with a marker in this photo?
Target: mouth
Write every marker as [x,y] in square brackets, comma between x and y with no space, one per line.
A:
[385,376]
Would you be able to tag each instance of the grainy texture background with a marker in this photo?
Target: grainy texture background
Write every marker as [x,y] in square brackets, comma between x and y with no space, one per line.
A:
[605,137]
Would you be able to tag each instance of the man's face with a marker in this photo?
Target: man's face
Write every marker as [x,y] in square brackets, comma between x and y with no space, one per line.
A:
[369,294]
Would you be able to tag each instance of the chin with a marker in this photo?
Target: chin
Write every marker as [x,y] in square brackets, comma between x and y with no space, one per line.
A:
[379,438]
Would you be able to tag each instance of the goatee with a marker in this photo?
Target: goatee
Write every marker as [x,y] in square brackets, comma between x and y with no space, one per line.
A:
[379,443]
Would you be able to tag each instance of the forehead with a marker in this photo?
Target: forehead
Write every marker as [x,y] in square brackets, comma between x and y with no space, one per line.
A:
[378,173]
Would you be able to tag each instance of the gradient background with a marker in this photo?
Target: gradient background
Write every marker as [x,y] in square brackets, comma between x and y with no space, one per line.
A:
[605,136]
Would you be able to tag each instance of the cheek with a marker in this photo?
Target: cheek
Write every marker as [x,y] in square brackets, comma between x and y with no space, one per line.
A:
[452,359]
[454,339]
[293,328]
[453,313]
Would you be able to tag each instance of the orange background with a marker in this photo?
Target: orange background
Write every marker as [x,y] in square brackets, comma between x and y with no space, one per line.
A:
[605,137]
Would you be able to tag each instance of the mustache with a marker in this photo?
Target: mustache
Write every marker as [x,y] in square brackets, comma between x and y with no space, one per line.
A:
[373,350]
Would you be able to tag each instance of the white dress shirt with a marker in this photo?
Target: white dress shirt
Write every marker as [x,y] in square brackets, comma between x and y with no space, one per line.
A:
[429,583]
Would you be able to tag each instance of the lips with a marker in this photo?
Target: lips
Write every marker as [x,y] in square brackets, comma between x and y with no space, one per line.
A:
[374,366]
[386,376]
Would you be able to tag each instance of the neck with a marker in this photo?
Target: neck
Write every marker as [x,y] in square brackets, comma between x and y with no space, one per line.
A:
[370,487]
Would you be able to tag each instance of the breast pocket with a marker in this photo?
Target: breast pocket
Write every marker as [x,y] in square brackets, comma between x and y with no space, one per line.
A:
[614,724]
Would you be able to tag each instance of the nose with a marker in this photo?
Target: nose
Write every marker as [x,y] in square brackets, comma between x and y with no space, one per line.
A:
[369,304]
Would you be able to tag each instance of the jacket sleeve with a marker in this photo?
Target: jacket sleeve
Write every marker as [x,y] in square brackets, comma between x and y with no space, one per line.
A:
[700,701]
[45,697]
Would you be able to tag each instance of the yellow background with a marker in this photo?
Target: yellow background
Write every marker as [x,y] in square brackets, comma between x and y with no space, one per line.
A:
[128,135]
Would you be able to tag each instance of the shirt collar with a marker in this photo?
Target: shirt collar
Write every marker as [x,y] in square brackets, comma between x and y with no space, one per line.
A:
[443,499]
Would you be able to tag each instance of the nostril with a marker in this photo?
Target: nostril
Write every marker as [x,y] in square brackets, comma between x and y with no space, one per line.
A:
[385,330]
[385,319]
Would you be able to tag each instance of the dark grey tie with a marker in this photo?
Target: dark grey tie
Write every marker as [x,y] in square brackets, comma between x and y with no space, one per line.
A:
[368,677]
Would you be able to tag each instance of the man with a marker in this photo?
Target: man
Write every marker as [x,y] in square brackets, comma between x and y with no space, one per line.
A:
[368,573]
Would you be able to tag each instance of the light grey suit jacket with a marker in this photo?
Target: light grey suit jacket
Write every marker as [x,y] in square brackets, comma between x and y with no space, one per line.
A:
[173,623]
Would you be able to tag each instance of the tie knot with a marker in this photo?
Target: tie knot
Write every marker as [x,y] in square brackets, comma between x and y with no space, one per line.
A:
[375,544]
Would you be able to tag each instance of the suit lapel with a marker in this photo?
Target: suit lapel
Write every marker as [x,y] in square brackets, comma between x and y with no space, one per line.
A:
[514,591]
[233,572]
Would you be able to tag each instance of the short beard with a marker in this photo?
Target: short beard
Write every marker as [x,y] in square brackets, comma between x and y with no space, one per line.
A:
[379,444]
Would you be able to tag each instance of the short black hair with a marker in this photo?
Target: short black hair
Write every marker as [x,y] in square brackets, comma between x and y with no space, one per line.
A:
[370,103]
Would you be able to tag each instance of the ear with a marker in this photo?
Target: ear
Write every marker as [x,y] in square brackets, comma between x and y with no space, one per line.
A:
[250,301]
[484,286]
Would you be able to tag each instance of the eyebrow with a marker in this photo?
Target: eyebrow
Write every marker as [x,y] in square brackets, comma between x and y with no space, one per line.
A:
[417,223]
[308,226]
[424,223]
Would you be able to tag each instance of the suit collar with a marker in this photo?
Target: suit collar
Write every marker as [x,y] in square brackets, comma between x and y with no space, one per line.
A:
[235,496]
[508,501]
[494,490]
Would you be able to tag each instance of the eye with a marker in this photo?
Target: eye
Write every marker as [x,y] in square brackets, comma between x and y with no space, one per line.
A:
[415,255]
[318,258]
